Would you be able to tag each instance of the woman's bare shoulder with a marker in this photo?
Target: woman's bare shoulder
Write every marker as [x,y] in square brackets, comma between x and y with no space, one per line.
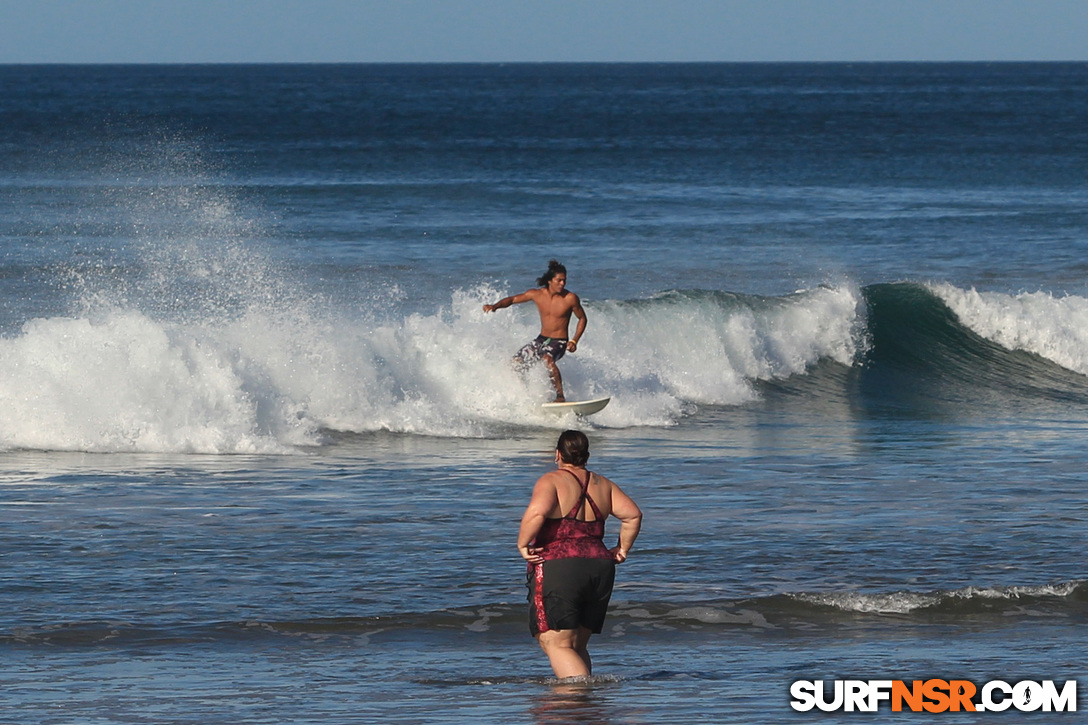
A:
[601,478]
[554,479]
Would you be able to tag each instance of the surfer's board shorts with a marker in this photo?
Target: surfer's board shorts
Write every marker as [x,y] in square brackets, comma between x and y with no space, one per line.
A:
[553,346]
[570,593]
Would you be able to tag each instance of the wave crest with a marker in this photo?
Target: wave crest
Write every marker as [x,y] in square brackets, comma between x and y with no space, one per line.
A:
[1054,328]
[266,378]
[271,376]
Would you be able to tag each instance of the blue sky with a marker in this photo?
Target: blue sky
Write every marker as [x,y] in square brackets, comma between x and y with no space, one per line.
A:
[215,31]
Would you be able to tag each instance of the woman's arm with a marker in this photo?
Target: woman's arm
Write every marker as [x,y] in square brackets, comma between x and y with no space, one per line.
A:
[543,502]
[630,516]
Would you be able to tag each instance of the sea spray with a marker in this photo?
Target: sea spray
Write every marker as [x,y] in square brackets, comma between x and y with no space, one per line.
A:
[187,335]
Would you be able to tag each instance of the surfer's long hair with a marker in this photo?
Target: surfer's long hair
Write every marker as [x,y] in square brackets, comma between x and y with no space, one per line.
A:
[554,268]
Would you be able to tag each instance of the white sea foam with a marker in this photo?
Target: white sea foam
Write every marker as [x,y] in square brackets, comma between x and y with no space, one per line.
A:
[903,602]
[703,349]
[884,603]
[259,367]
[1055,328]
[268,380]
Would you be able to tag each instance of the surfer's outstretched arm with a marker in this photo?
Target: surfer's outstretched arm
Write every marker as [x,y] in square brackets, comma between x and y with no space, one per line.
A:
[508,301]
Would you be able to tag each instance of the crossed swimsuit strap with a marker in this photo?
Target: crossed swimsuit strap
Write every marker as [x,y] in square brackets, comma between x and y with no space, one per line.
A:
[584,497]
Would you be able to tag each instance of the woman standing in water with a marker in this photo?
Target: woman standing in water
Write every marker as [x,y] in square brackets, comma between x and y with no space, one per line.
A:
[571,572]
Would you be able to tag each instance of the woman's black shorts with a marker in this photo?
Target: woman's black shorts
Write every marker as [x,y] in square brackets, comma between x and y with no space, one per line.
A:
[570,593]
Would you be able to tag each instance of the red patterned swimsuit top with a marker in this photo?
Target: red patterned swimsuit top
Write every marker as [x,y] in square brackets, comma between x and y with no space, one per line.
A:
[569,538]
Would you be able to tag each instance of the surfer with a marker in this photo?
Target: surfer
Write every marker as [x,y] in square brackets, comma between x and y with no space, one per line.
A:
[570,572]
[556,304]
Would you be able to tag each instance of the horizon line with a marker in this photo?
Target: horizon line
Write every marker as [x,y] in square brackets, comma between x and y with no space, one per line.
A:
[533,62]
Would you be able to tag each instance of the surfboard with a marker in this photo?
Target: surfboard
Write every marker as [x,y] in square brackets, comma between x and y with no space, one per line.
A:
[580,407]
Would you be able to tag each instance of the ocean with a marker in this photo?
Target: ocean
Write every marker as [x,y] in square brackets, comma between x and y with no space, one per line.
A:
[263,456]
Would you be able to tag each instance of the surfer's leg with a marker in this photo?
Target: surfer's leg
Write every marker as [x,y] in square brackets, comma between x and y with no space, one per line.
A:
[561,646]
[557,379]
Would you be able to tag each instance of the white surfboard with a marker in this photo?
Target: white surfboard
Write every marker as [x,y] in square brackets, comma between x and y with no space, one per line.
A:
[581,407]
